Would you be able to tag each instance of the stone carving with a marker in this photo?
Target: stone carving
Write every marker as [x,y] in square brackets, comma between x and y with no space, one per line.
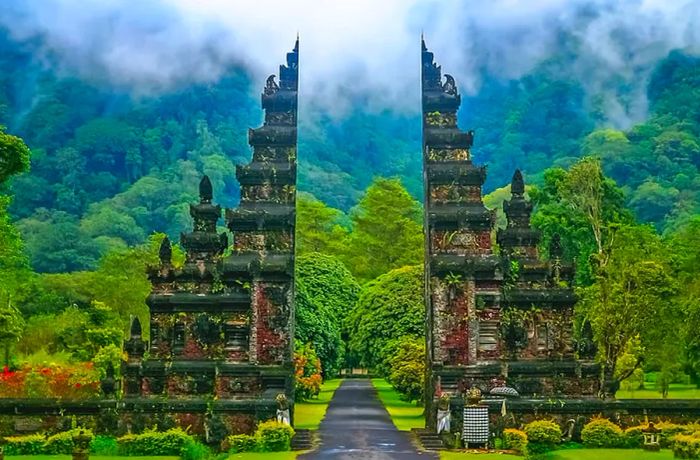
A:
[283,409]
[450,87]
[443,414]
[271,87]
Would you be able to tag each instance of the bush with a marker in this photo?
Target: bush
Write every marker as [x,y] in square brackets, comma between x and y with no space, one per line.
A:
[62,443]
[601,432]
[406,367]
[194,450]
[670,430]
[686,446]
[104,445]
[151,443]
[273,436]
[32,444]
[542,435]
[242,443]
[515,440]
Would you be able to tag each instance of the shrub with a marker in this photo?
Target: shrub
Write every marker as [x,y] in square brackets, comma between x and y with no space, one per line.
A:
[406,367]
[686,446]
[242,443]
[542,435]
[62,443]
[670,430]
[32,444]
[307,372]
[194,450]
[601,432]
[151,443]
[274,436]
[515,440]
[104,445]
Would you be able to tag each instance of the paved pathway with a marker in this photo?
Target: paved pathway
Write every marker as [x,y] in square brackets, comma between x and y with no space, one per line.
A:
[357,426]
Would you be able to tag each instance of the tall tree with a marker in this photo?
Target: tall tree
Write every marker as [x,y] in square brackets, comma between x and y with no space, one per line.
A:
[386,231]
[319,227]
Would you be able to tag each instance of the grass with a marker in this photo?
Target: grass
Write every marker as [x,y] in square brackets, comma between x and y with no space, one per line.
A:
[308,414]
[573,454]
[405,415]
[92,457]
[676,391]
[261,456]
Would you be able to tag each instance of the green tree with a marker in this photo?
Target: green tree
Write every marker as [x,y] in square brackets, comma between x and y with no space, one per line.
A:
[11,325]
[633,296]
[14,155]
[406,367]
[319,227]
[325,292]
[386,231]
[388,308]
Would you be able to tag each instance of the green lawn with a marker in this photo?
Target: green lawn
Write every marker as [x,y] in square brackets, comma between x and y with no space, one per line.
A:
[244,456]
[676,391]
[308,415]
[573,454]
[92,457]
[262,456]
[404,415]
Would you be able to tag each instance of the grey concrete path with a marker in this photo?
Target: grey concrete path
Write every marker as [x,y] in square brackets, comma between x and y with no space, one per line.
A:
[357,426]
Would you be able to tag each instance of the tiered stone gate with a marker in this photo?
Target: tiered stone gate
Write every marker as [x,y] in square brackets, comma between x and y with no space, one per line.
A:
[492,319]
[221,327]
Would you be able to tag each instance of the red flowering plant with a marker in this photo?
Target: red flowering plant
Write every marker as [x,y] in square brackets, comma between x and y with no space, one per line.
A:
[79,381]
[307,372]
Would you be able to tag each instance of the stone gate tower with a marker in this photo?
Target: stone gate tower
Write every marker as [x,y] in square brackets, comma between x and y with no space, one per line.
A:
[494,317]
[222,326]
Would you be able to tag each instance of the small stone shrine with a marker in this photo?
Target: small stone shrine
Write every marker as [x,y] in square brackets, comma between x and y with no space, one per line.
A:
[221,327]
[493,318]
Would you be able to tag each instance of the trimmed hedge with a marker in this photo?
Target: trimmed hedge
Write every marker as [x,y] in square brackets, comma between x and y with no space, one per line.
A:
[601,432]
[154,443]
[515,440]
[39,444]
[542,436]
[686,445]
[242,443]
[274,436]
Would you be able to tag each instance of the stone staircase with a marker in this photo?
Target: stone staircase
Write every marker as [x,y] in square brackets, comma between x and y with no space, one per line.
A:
[427,439]
[303,440]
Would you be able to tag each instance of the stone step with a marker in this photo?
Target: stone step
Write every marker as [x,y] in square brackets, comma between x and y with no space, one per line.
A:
[303,440]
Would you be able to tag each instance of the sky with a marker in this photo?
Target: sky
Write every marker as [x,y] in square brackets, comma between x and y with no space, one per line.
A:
[364,50]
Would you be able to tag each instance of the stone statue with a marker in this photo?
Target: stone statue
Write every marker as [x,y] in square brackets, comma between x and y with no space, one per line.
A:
[283,409]
[271,86]
[450,87]
[81,445]
[443,414]
[474,396]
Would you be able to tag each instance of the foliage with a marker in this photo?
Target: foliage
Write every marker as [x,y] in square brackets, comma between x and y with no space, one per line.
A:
[151,443]
[515,440]
[601,432]
[79,381]
[389,307]
[307,372]
[325,291]
[274,436]
[386,231]
[319,227]
[194,450]
[686,445]
[104,445]
[542,435]
[406,367]
[14,155]
[37,444]
[242,443]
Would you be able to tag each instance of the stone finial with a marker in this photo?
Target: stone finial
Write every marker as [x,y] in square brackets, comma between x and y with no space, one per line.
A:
[136,328]
[517,185]
[165,252]
[206,192]
[555,251]
[108,383]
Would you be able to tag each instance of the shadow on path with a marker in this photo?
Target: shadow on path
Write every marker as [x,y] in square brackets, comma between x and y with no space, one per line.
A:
[357,426]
